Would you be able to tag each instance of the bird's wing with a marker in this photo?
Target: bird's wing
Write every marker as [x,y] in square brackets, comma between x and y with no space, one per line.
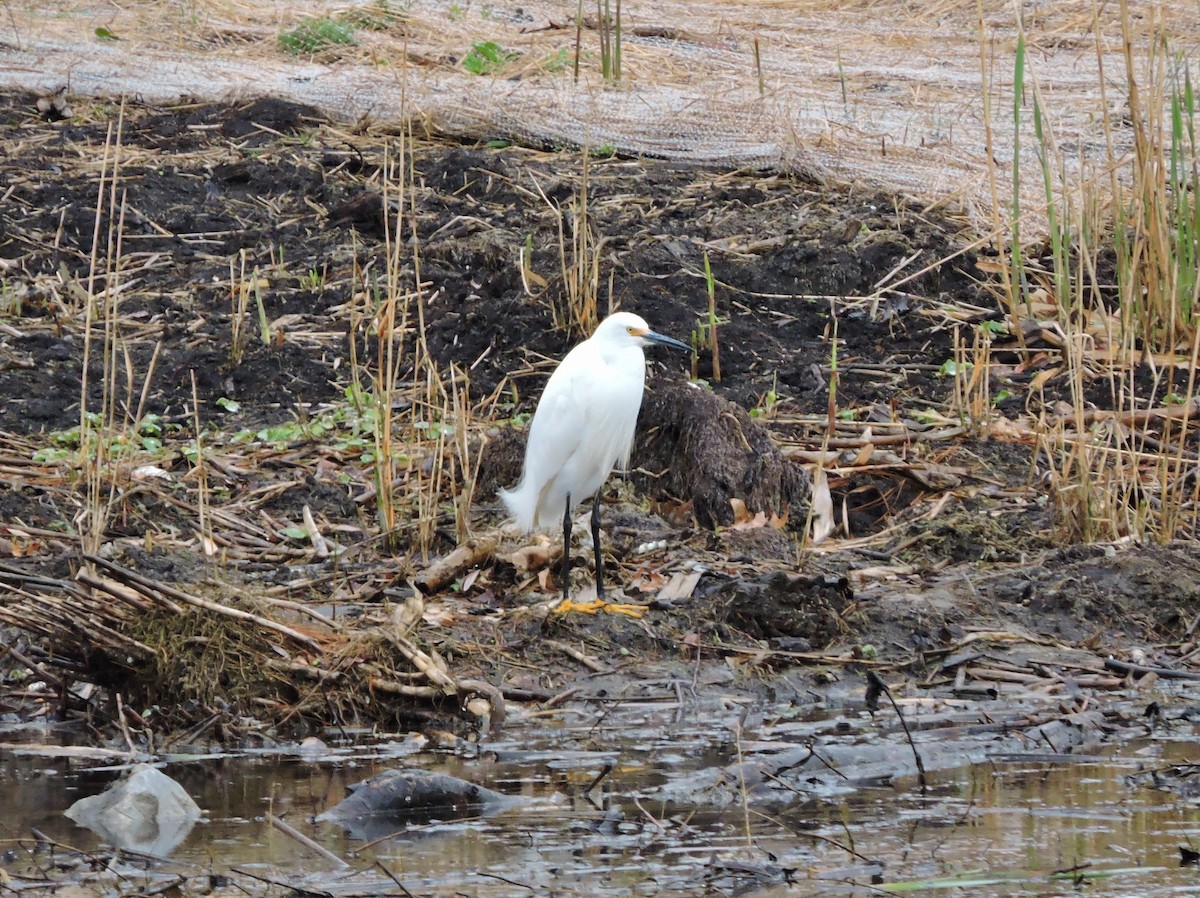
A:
[613,401]
[558,426]
[583,424]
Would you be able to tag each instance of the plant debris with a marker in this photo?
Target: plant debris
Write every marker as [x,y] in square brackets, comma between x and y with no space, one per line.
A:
[216,539]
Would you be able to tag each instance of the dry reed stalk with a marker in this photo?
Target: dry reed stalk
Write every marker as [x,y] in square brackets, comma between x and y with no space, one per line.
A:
[972,375]
[1008,291]
[391,325]
[462,477]
[96,435]
[428,426]
[203,522]
[239,290]
[579,260]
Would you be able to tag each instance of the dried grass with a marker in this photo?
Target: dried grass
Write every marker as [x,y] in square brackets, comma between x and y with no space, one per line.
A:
[189,658]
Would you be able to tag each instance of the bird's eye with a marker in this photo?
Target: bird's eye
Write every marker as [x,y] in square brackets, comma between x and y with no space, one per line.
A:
[629,330]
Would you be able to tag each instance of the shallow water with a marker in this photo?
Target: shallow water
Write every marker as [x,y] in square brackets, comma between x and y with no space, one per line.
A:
[1001,828]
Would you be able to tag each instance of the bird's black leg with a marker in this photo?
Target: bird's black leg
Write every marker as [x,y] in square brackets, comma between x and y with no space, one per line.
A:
[566,562]
[596,546]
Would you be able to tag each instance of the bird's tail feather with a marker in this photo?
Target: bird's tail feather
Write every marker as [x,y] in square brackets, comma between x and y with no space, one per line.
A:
[521,504]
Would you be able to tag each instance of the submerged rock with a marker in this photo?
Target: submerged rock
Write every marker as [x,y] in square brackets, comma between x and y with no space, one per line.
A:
[832,765]
[388,802]
[147,812]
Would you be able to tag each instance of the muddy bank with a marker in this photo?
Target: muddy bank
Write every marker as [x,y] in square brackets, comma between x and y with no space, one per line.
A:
[244,313]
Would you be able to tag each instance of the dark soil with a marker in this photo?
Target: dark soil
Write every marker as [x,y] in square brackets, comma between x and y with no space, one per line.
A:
[270,199]
[204,185]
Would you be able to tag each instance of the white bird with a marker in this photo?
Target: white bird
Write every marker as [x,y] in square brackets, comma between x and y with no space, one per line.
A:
[582,428]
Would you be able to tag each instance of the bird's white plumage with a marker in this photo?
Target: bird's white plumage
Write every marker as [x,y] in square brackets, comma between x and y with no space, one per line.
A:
[584,423]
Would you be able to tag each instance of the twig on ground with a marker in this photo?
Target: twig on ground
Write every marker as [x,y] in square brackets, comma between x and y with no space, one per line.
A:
[304,840]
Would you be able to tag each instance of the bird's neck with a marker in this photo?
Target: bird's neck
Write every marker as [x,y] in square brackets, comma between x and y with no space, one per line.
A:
[622,356]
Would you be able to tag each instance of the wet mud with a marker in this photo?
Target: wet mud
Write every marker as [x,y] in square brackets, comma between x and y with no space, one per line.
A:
[944,576]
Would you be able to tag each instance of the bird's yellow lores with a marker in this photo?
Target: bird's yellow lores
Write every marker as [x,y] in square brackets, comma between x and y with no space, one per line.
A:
[582,429]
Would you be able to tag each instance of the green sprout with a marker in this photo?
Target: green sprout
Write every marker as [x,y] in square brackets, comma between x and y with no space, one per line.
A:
[487,57]
[314,35]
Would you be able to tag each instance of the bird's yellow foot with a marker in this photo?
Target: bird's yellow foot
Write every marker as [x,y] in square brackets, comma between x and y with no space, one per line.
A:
[595,606]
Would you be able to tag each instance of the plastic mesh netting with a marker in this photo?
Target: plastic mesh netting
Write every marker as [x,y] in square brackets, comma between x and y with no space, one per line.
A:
[889,94]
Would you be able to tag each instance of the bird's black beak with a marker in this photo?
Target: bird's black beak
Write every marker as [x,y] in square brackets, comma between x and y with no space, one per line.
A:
[666,341]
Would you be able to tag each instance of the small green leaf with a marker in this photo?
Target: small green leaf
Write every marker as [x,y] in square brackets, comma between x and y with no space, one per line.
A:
[280,433]
[296,533]
[951,368]
[50,455]
[314,35]
[928,416]
[486,57]
[557,61]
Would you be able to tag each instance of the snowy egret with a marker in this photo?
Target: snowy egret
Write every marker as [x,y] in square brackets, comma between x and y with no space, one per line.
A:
[582,428]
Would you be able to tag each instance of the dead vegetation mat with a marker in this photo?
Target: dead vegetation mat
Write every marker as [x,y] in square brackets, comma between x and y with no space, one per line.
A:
[260,586]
